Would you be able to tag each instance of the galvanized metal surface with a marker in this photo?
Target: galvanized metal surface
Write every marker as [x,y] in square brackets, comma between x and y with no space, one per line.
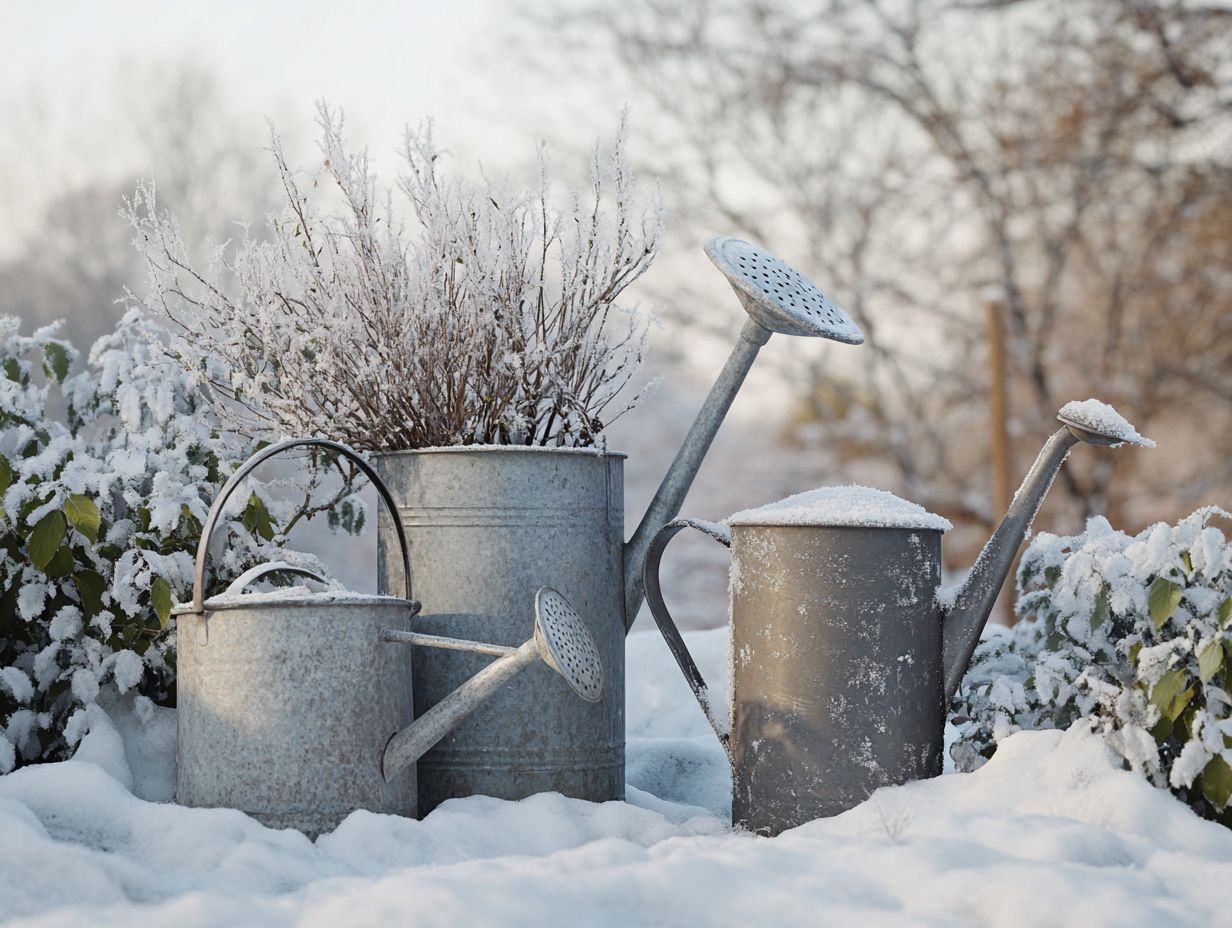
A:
[284,713]
[840,669]
[283,710]
[835,668]
[487,528]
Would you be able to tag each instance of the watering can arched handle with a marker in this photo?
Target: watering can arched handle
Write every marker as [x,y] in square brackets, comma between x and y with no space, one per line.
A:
[663,618]
[211,520]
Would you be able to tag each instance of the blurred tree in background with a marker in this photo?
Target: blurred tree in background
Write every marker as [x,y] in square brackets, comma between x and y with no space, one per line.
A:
[1068,162]
[167,121]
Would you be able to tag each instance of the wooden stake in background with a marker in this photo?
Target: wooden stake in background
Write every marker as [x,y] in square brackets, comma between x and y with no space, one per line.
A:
[999,432]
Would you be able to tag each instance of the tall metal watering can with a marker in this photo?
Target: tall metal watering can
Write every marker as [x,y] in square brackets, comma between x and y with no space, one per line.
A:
[842,658]
[297,709]
[488,525]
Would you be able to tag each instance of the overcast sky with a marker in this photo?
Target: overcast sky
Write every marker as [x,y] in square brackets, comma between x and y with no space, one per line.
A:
[386,63]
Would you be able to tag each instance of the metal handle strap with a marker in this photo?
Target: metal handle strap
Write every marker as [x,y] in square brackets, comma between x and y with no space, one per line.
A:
[211,520]
[667,627]
[253,574]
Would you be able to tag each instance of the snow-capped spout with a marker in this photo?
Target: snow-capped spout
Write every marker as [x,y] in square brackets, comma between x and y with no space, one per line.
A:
[1091,422]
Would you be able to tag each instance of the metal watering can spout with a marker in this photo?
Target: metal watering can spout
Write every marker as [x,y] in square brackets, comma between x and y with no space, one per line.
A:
[778,298]
[1091,422]
[561,641]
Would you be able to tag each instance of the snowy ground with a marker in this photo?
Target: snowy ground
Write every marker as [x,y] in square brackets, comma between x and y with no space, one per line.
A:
[1049,833]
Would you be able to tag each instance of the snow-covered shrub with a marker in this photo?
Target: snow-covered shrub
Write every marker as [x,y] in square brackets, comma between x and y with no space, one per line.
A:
[105,478]
[494,322]
[1130,635]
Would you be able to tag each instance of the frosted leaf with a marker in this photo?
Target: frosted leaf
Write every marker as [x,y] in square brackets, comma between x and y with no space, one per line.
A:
[85,685]
[65,624]
[78,724]
[30,599]
[17,683]
[127,670]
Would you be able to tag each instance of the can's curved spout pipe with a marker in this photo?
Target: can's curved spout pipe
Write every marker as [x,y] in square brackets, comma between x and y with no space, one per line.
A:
[965,619]
[778,298]
[561,640]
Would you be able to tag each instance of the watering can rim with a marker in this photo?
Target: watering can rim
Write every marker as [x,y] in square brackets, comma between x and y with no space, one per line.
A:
[268,600]
[506,449]
[911,529]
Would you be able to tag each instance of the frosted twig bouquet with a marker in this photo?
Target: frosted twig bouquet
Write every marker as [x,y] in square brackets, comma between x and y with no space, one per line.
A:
[496,322]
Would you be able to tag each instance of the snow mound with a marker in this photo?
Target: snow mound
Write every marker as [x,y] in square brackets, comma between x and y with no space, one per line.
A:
[1050,831]
[849,506]
[1102,419]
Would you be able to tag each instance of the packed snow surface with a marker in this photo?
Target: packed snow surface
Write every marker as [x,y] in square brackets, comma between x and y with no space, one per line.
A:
[849,506]
[1050,832]
[1103,419]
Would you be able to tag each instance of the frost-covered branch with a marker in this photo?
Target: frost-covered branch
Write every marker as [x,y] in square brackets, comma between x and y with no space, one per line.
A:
[493,320]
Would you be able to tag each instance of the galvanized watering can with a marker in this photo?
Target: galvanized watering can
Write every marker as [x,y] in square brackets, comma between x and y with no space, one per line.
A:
[842,658]
[298,709]
[487,526]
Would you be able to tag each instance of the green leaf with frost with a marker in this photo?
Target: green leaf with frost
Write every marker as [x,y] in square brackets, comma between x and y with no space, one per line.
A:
[90,589]
[55,360]
[83,515]
[1162,599]
[1172,693]
[1099,615]
[160,599]
[257,518]
[1209,661]
[1217,782]
[1225,611]
[61,563]
[45,538]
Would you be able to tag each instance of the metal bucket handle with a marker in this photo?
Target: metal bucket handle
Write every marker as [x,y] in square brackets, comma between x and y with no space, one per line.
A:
[211,521]
[663,618]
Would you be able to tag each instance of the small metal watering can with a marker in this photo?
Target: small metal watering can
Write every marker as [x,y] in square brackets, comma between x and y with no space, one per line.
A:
[488,525]
[292,708]
[842,659]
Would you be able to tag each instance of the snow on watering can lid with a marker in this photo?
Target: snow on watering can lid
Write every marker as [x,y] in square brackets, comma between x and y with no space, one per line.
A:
[777,296]
[851,506]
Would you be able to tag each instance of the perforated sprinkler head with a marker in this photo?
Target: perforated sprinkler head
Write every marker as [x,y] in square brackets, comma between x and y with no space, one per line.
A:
[777,296]
[565,644]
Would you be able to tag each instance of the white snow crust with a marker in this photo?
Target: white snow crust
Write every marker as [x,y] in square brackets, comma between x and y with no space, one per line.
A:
[1050,832]
[1102,418]
[851,506]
